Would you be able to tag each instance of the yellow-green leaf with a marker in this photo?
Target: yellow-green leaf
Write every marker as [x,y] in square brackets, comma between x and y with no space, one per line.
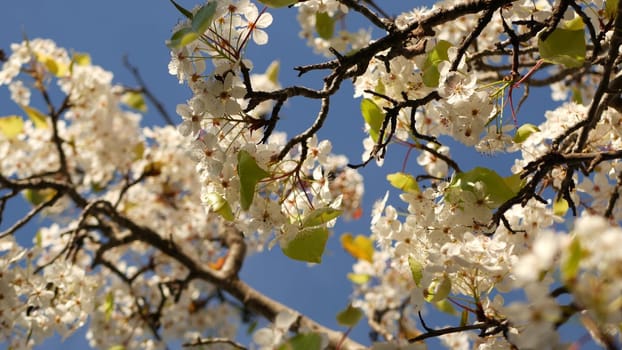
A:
[349,316]
[250,174]
[496,188]
[303,341]
[611,9]
[52,65]
[37,117]
[278,3]
[514,182]
[404,182]
[182,37]
[11,126]
[416,270]
[81,59]
[361,247]
[437,55]
[524,131]
[576,97]
[321,216]
[380,87]
[138,150]
[108,306]
[38,239]
[324,25]
[464,318]
[564,46]
[117,347]
[153,168]
[373,115]
[219,205]
[570,265]
[308,245]
[204,17]
[36,197]
[272,72]
[560,207]
[134,100]
[573,24]
[438,290]
[182,10]
[359,278]
[445,306]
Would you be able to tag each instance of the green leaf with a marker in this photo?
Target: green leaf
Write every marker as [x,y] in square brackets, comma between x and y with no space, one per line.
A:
[524,132]
[349,316]
[576,97]
[324,25]
[219,205]
[38,239]
[570,265]
[373,115]
[416,270]
[308,245]
[445,306]
[36,197]
[437,55]
[53,66]
[108,306]
[380,87]
[204,17]
[360,247]
[560,207]
[303,341]
[138,150]
[496,188]
[514,182]
[81,59]
[404,182]
[11,126]
[438,290]
[321,216]
[278,3]
[611,9]
[134,100]
[564,46]
[272,72]
[250,174]
[359,278]
[251,327]
[182,37]
[182,10]
[37,117]
[464,318]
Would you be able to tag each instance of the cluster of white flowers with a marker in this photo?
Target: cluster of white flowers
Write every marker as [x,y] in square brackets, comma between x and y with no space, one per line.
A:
[219,126]
[105,150]
[35,306]
[224,167]
[318,19]
[439,248]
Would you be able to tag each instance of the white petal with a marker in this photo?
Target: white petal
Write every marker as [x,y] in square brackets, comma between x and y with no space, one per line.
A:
[260,37]
[264,337]
[285,319]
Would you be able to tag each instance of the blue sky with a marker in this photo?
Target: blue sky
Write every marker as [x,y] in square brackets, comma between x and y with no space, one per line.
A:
[107,30]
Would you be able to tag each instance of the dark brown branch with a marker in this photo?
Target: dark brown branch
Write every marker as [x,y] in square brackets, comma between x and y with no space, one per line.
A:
[482,22]
[212,341]
[372,17]
[497,327]
[31,214]
[150,96]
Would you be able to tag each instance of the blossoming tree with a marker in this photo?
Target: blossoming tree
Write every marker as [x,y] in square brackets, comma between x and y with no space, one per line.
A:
[131,249]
